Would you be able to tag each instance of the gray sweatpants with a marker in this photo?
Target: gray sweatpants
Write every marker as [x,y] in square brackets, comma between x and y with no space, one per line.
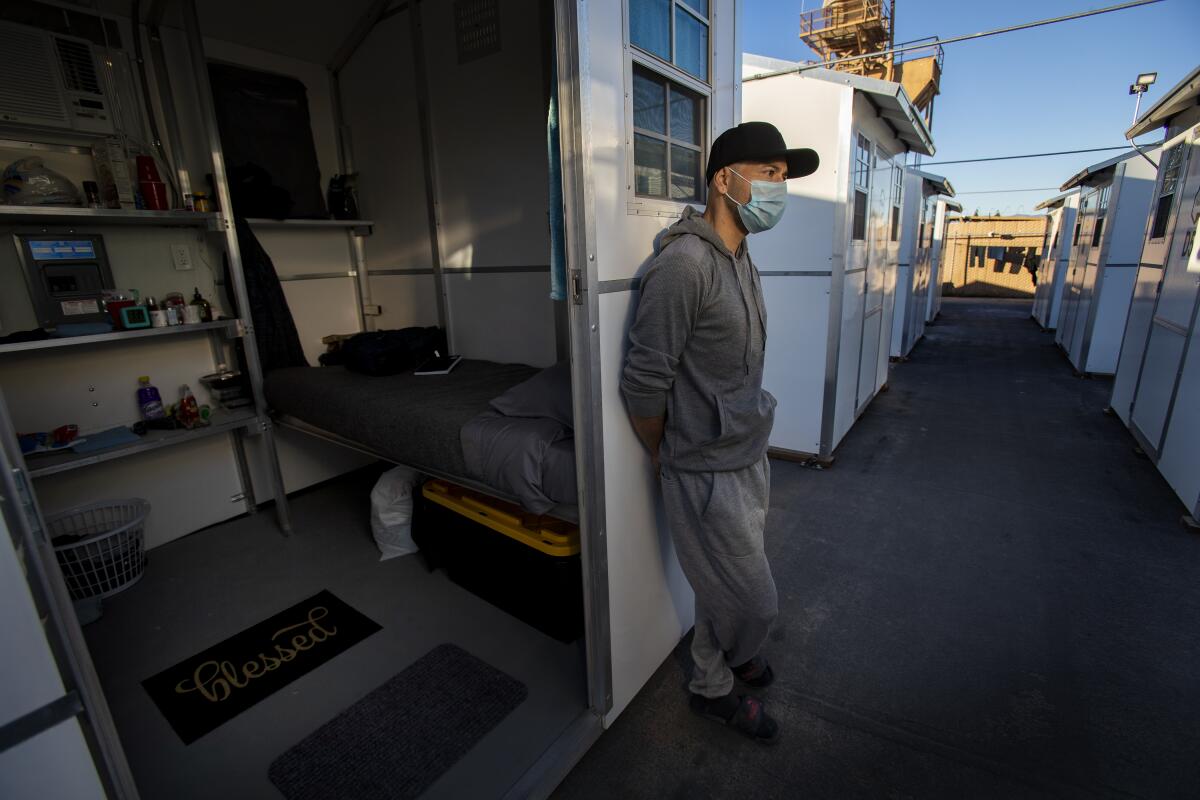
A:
[716,521]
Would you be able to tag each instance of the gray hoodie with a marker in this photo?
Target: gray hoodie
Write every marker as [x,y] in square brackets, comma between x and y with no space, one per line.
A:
[696,351]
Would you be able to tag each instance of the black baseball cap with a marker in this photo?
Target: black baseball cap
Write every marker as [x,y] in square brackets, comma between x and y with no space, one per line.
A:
[759,141]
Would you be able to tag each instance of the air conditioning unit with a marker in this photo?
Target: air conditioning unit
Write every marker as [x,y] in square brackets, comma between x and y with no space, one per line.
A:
[53,81]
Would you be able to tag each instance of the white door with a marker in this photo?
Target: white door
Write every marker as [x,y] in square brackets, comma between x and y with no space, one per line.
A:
[1076,270]
[56,736]
[876,342]
[1175,312]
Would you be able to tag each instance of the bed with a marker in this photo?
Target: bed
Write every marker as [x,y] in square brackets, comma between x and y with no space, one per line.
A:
[418,420]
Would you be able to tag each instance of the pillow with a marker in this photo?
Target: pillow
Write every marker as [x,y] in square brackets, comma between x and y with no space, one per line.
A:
[547,394]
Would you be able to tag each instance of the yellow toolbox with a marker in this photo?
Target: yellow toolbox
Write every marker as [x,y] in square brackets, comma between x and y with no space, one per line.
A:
[526,564]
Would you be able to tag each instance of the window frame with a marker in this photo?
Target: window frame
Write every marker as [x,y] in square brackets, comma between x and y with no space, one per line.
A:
[1103,196]
[687,9]
[1160,220]
[667,138]
[897,202]
[654,205]
[861,168]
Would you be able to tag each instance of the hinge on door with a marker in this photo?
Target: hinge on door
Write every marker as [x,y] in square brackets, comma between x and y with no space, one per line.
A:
[577,287]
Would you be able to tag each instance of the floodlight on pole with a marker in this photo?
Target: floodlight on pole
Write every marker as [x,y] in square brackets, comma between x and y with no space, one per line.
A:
[1140,87]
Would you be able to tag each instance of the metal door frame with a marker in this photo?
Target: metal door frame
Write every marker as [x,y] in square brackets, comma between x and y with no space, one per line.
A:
[575,138]
[1106,236]
[1191,141]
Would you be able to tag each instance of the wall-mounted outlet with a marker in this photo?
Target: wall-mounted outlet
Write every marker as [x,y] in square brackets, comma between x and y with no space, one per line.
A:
[181,254]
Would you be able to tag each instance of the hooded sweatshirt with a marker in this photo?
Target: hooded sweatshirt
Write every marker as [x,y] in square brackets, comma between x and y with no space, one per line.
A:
[696,351]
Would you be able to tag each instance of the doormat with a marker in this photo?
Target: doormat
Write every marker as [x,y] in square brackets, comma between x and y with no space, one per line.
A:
[212,687]
[399,739]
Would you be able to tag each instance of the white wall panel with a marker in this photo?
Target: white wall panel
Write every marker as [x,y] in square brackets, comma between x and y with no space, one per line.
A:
[320,308]
[380,110]
[798,316]
[492,317]
[650,601]
[190,486]
[55,763]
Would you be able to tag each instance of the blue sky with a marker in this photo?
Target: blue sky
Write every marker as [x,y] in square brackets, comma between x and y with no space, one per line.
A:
[1059,87]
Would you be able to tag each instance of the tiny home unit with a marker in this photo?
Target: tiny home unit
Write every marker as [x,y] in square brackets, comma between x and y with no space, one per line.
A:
[1156,392]
[501,152]
[1055,257]
[1105,247]
[937,256]
[829,268]
[921,229]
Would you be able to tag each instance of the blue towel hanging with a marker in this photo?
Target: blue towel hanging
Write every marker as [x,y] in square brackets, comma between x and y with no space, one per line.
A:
[558,253]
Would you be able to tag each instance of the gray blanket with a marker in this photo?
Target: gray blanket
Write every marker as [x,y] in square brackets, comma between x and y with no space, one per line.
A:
[516,455]
[442,424]
[410,419]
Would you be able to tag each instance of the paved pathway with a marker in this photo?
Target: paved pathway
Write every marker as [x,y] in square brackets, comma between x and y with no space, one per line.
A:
[989,595]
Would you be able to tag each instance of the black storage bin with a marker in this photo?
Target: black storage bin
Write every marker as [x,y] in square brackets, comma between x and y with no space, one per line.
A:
[531,571]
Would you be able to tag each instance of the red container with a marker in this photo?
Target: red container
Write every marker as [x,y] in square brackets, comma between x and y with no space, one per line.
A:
[147,170]
[154,195]
[114,310]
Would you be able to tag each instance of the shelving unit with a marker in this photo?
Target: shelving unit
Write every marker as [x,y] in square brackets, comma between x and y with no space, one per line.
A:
[254,420]
[60,215]
[220,422]
[231,327]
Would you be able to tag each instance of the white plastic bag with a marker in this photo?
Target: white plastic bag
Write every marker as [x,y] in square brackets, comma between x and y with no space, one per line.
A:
[29,182]
[391,512]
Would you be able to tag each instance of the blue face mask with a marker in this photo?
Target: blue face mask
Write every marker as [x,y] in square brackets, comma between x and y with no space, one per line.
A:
[764,209]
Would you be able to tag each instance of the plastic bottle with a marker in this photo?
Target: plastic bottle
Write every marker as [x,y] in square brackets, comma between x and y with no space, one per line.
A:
[187,412]
[149,399]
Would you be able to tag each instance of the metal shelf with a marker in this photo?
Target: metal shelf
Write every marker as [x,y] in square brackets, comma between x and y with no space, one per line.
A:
[222,422]
[68,215]
[263,222]
[228,325]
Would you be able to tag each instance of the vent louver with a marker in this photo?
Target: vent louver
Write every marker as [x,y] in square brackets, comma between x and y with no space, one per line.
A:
[78,67]
[28,91]
[476,28]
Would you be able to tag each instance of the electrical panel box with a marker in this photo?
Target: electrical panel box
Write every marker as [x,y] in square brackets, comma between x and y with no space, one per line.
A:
[67,277]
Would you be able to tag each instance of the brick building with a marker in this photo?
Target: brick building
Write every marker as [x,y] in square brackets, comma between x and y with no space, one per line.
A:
[991,256]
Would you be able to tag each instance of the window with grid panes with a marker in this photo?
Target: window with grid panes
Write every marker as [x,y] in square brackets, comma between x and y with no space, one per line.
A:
[667,138]
[1163,201]
[897,187]
[862,186]
[674,30]
[1101,210]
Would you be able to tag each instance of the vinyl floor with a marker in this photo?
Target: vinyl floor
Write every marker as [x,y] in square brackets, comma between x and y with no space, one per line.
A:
[203,588]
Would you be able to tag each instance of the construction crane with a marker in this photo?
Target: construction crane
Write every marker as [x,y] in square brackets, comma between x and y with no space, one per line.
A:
[846,29]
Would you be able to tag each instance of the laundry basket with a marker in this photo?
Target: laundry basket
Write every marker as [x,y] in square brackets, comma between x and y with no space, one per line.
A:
[99,546]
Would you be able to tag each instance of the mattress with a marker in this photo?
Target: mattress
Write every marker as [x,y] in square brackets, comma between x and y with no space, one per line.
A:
[409,419]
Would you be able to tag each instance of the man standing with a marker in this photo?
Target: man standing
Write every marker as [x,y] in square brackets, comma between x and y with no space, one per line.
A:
[693,387]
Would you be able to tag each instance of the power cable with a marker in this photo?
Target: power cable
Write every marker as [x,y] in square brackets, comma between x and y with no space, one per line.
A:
[1006,191]
[1027,155]
[951,40]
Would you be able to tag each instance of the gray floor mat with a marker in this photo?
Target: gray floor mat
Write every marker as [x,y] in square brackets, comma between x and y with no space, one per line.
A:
[395,742]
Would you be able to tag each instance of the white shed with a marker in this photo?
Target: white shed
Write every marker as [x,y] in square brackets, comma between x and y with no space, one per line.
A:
[1157,387]
[1055,257]
[443,111]
[1106,244]
[921,231]
[829,269]
[937,256]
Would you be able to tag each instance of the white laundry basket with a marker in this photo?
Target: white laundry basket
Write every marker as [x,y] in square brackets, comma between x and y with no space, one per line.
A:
[100,546]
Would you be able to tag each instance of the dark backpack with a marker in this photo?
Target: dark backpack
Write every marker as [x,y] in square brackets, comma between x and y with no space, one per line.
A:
[392,352]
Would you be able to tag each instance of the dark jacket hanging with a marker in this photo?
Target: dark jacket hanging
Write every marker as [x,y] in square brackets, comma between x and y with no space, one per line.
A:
[274,328]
